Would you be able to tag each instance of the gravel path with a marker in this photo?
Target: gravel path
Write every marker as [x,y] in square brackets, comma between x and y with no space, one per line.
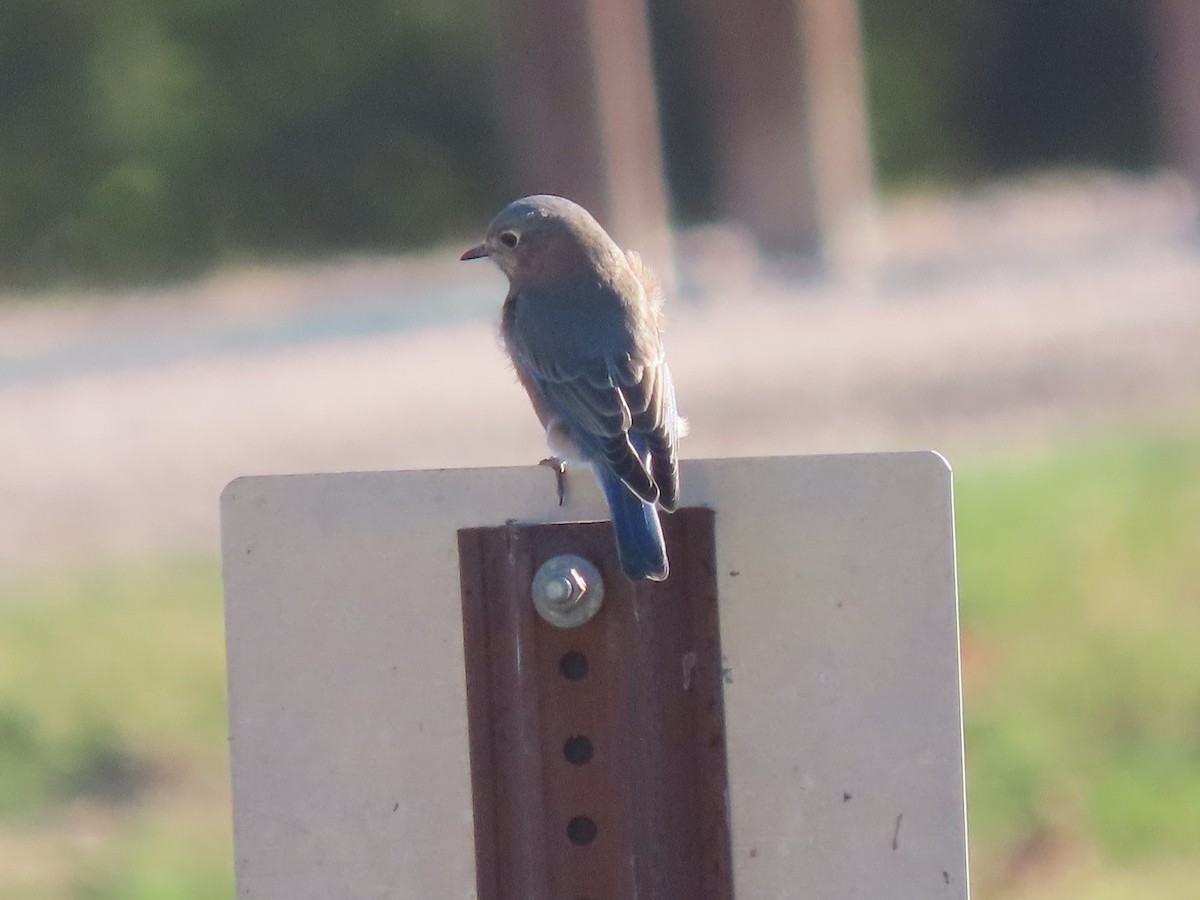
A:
[973,323]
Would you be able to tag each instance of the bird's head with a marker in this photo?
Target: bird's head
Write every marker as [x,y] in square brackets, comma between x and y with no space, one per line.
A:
[542,237]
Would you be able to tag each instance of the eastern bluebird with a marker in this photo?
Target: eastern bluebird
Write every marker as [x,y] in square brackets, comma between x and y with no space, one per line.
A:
[581,323]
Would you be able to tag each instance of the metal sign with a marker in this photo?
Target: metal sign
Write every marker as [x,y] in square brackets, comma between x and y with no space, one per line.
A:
[350,719]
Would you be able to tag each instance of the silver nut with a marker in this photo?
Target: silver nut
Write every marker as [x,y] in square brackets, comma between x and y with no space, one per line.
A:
[567,591]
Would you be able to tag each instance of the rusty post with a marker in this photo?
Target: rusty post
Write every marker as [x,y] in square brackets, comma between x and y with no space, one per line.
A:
[597,751]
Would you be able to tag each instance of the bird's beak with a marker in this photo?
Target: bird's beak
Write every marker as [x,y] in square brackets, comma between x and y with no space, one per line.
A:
[478,252]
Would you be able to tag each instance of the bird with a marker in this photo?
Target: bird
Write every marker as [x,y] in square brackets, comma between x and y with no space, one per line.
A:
[582,326]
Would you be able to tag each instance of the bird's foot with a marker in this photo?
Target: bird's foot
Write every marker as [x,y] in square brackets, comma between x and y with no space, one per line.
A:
[560,470]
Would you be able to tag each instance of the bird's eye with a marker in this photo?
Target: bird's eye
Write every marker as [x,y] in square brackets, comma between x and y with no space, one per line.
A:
[509,239]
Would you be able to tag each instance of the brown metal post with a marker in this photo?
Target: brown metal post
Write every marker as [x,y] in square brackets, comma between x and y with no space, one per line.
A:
[1177,23]
[577,94]
[794,162]
[598,751]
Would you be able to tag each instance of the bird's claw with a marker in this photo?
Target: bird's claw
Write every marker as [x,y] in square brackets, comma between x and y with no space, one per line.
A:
[560,470]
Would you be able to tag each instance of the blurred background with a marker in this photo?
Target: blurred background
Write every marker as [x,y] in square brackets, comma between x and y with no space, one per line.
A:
[228,245]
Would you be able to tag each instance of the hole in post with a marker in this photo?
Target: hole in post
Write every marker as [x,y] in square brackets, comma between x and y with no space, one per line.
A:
[573,665]
[578,750]
[581,830]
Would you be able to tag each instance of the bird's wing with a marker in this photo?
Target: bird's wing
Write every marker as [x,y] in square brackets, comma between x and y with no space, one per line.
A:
[655,418]
[654,426]
[611,387]
[591,401]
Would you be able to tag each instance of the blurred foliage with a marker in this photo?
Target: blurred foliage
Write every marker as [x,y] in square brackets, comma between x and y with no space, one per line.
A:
[684,102]
[114,771]
[962,89]
[1078,579]
[144,140]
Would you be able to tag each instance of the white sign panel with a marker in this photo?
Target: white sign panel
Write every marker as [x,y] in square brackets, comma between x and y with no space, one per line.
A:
[838,624]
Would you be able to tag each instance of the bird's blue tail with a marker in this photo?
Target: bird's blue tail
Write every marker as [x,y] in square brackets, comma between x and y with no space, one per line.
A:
[640,546]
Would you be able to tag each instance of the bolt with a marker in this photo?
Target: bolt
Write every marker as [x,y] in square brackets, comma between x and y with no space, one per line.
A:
[557,590]
[567,591]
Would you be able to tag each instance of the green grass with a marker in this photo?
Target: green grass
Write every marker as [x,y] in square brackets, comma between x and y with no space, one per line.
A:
[1080,576]
[113,768]
[1080,584]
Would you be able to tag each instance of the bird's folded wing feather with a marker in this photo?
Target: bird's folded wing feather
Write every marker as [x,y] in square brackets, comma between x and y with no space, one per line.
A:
[620,408]
[652,398]
[590,402]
